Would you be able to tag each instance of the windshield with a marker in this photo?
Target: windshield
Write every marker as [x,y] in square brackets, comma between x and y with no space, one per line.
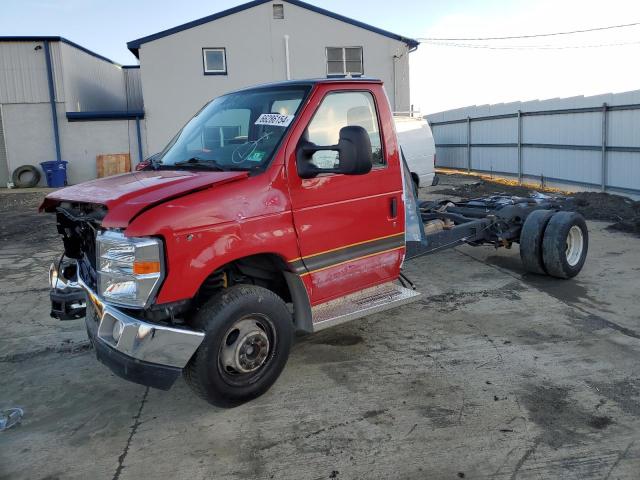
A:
[239,131]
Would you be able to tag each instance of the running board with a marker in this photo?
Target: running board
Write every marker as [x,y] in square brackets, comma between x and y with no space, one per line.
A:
[360,304]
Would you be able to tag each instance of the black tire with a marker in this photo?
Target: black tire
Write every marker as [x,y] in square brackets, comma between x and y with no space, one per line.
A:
[560,259]
[416,183]
[205,374]
[33,179]
[531,240]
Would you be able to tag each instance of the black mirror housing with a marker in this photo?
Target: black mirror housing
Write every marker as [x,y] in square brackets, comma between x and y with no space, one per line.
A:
[354,153]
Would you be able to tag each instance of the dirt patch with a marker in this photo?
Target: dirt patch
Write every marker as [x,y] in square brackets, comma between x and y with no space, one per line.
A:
[344,340]
[624,212]
[20,219]
[561,418]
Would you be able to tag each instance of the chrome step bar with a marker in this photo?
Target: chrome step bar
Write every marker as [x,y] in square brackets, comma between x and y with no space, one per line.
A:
[361,304]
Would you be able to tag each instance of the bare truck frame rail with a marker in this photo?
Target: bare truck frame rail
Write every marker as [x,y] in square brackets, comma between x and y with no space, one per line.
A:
[552,241]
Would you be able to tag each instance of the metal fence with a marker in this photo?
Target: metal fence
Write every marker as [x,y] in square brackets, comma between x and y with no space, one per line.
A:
[593,142]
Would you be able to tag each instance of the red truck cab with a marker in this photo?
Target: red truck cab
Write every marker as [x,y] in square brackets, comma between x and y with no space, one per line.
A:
[267,210]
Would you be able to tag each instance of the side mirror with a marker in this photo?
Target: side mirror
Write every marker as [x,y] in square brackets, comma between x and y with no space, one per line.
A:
[355,156]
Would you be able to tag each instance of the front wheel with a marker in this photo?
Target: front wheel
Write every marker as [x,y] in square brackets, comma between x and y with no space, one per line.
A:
[248,335]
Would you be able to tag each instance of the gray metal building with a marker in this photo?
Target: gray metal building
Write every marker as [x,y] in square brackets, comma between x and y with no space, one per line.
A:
[261,41]
[59,100]
[579,142]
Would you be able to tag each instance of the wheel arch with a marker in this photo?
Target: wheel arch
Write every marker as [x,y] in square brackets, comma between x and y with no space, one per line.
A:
[269,270]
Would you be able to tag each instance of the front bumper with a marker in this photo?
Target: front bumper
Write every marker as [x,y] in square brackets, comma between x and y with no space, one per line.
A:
[144,353]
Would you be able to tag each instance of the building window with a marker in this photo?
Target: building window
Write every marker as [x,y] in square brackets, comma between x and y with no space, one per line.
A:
[344,61]
[278,11]
[214,61]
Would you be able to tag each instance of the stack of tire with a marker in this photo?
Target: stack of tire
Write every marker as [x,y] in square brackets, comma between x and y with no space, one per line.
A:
[554,243]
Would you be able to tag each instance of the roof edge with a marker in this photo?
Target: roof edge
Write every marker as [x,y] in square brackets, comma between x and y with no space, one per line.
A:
[55,38]
[134,45]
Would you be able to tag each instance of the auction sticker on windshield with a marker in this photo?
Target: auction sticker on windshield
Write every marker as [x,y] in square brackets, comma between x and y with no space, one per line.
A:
[274,119]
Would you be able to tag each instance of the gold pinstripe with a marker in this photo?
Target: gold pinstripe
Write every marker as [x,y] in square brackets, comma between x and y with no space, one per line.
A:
[345,246]
[352,260]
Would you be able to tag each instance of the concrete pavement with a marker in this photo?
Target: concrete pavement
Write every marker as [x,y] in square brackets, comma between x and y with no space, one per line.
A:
[492,374]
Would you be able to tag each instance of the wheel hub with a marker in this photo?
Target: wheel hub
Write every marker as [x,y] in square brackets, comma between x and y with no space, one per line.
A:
[245,348]
[575,244]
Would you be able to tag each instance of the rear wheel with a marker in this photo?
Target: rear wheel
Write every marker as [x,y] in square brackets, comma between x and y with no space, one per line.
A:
[248,334]
[531,238]
[565,244]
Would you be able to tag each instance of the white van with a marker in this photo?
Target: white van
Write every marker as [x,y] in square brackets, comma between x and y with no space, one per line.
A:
[416,141]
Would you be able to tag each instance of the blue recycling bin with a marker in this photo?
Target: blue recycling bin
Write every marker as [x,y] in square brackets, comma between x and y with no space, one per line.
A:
[56,173]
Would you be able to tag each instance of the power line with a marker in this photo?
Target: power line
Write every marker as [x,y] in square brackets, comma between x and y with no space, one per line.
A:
[528,36]
[529,47]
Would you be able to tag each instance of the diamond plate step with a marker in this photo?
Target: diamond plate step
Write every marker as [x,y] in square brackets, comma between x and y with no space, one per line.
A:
[360,304]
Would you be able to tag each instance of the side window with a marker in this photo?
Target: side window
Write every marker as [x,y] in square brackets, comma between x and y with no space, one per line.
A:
[338,110]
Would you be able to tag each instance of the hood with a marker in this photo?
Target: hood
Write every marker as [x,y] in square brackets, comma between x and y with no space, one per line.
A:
[125,196]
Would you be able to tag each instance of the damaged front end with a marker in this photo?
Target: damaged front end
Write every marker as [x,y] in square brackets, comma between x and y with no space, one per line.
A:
[78,224]
[68,299]
[111,280]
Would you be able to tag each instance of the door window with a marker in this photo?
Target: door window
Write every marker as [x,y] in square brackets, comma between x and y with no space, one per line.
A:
[341,109]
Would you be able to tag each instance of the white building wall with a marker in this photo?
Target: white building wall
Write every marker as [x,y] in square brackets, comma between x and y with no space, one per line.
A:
[29,140]
[175,87]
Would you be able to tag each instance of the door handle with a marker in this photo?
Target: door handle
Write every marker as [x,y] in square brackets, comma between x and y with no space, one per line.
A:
[393,207]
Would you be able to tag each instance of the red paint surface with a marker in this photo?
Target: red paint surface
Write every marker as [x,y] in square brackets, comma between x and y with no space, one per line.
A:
[128,194]
[208,219]
[334,211]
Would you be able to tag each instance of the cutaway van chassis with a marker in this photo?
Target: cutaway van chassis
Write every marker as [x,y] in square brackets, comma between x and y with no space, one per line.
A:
[553,240]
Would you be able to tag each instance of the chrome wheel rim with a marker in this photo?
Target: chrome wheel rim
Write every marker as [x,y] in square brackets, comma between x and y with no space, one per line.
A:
[575,245]
[246,347]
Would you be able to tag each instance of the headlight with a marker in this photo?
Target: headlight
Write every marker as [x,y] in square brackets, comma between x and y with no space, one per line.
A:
[129,269]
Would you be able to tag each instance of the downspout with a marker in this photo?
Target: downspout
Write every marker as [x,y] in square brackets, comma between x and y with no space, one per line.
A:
[395,92]
[52,99]
[139,139]
[286,56]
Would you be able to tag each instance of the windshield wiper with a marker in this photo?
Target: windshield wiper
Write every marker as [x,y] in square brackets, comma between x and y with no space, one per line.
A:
[199,162]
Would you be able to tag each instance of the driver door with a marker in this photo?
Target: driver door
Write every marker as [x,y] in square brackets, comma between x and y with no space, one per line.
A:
[350,227]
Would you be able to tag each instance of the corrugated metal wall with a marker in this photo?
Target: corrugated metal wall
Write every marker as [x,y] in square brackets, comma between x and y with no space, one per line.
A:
[134,89]
[92,84]
[587,141]
[4,169]
[83,82]
[23,72]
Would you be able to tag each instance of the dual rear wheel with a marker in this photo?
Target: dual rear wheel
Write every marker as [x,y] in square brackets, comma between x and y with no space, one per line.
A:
[554,243]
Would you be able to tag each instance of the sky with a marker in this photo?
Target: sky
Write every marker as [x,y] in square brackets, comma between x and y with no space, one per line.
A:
[442,76]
